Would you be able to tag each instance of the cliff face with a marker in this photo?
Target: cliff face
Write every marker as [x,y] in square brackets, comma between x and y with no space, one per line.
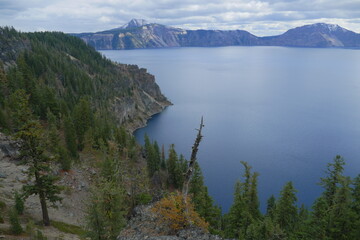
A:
[140,34]
[146,99]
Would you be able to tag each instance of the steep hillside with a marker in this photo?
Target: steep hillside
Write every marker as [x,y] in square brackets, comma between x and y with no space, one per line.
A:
[140,34]
[68,70]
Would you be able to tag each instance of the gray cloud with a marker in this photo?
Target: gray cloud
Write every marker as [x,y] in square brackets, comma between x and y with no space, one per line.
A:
[261,17]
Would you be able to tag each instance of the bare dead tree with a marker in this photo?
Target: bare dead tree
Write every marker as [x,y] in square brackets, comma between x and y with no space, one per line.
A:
[190,169]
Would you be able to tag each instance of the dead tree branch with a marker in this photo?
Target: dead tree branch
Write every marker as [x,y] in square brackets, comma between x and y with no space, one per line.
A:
[190,169]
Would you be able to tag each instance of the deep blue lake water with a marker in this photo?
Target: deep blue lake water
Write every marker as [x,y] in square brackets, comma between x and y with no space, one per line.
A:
[286,111]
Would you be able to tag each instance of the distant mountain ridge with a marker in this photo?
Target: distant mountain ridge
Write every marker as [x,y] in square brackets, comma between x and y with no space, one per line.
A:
[138,33]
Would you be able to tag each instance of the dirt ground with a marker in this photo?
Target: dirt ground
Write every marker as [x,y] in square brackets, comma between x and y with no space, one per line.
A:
[71,210]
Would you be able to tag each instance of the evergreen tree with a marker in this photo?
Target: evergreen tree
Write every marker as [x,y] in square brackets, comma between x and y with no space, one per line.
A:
[356,207]
[333,216]
[152,153]
[33,149]
[181,167]
[271,207]
[203,203]
[157,157]
[106,213]
[253,198]
[163,161]
[70,137]
[333,179]
[286,210]
[171,167]
[319,219]
[342,217]
[83,120]
[244,211]
[20,111]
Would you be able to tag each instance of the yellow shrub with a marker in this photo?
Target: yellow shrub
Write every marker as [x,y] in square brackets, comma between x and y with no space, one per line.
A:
[173,211]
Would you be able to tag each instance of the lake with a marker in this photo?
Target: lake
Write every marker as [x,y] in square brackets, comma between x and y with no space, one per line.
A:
[286,111]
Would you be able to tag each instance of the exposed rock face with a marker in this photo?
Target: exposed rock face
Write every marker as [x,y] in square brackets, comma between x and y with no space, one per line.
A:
[144,226]
[9,148]
[139,34]
[145,101]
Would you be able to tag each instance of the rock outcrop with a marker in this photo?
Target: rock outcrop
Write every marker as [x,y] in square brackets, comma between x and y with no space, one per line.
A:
[144,225]
[140,34]
[9,148]
[144,101]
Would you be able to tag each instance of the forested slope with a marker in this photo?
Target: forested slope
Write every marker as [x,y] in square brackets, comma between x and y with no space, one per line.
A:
[58,70]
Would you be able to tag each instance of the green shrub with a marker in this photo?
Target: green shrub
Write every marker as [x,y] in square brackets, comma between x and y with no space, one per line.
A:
[64,159]
[39,235]
[15,227]
[68,228]
[143,198]
[19,203]
[2,205]
[2,208]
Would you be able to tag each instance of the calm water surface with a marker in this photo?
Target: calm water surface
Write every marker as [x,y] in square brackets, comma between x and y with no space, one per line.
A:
[286,111]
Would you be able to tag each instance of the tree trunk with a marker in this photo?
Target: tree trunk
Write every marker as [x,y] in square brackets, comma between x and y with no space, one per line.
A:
[44,210]
[190,170]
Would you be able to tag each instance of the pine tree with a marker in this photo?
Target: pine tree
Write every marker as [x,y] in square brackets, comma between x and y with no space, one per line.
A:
[244,211]
[106,213]
[171,166]
[319,219]
[286,210]
[333,217]
[106,210]
[20,110]
[271,207]
[253,198]
[157,157]
[70,137]
[163,161]
[356,207]
[83,120]
[203,203]
[33,149]
[342,217]
[152,153]
[332,181]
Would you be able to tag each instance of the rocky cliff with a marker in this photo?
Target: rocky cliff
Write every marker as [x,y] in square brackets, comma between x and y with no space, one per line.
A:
[140,34]
[144,225]
[144,101]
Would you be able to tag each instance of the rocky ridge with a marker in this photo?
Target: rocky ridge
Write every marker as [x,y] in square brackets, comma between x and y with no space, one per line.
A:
[140,34]
[144,225]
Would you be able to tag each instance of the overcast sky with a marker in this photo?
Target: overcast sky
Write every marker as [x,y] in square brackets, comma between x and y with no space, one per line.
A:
[260,17]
